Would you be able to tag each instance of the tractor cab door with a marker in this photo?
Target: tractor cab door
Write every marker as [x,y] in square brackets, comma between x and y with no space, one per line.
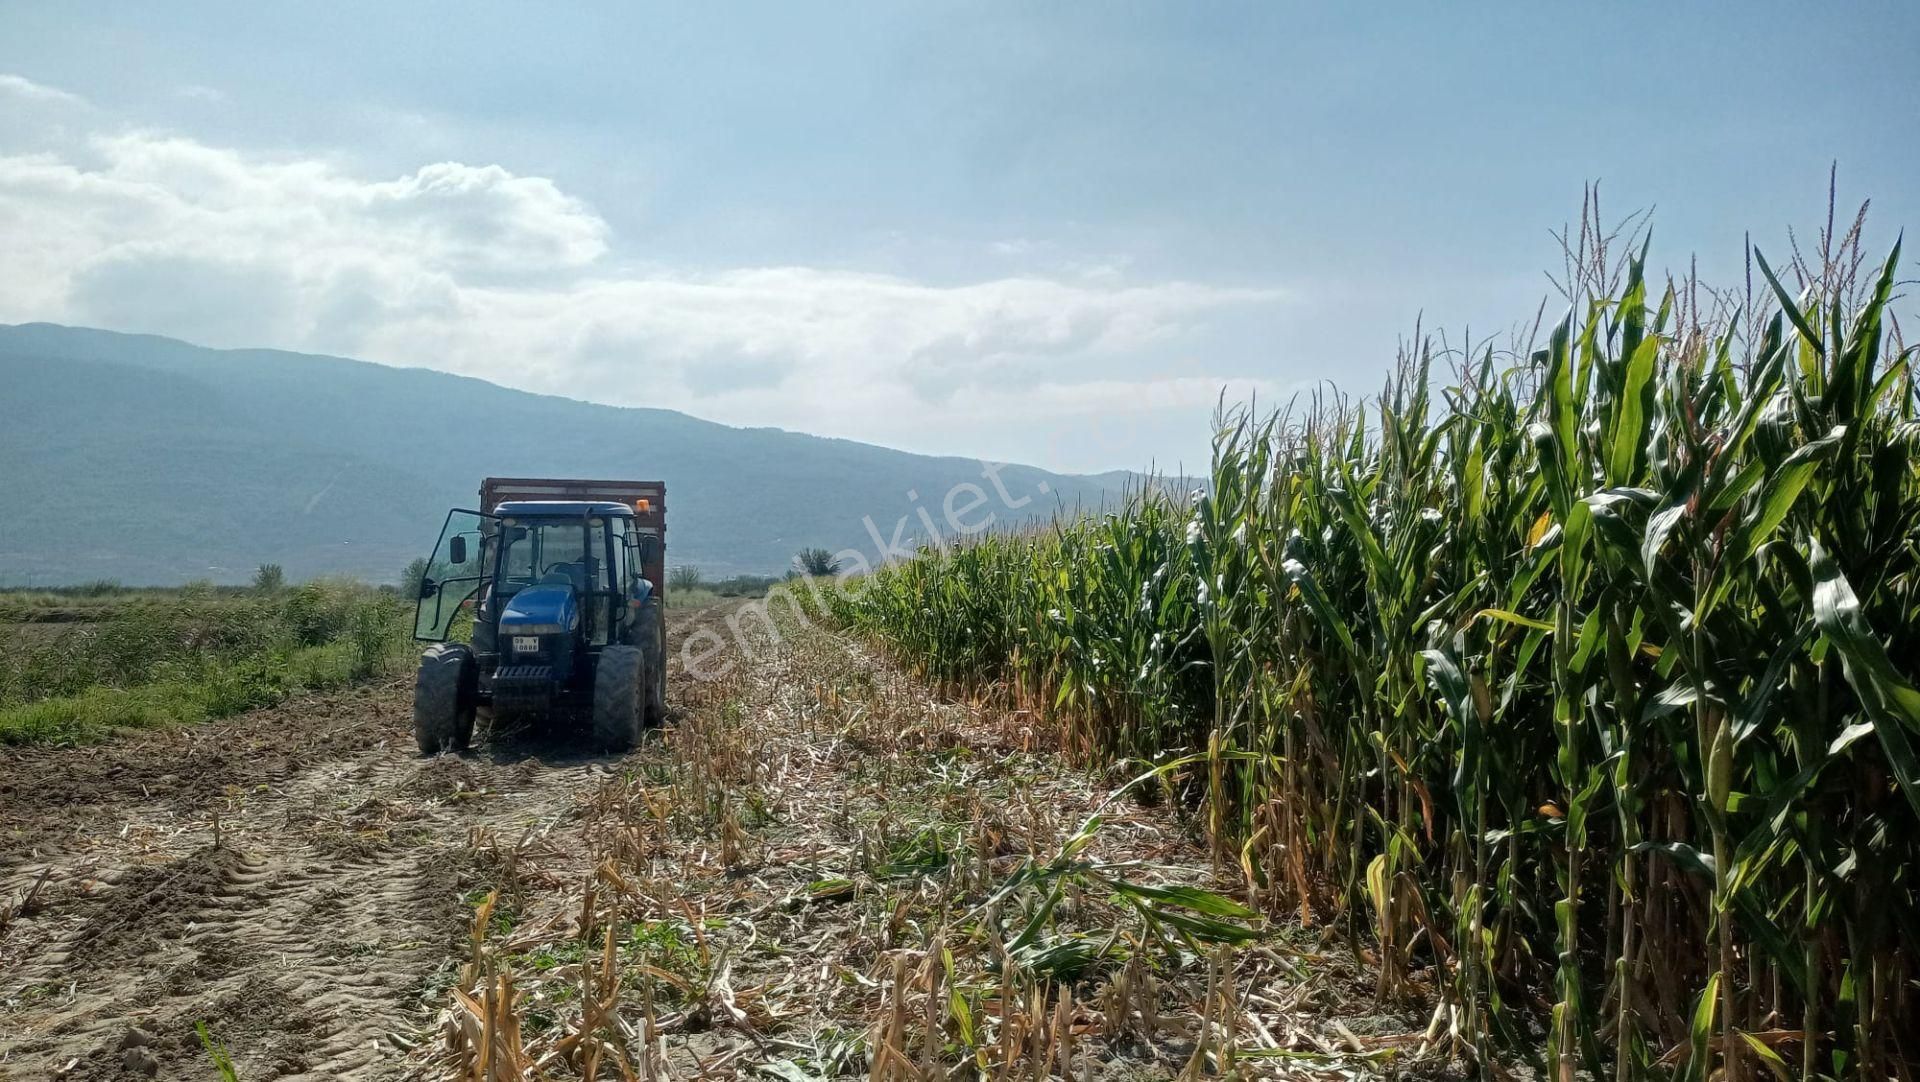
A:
[455,572]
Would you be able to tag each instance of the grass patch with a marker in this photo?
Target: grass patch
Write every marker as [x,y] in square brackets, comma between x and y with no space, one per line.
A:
[222,690]
[151,665]
[691,597]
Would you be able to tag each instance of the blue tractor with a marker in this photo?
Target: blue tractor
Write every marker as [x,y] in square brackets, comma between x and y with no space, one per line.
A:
[558,586]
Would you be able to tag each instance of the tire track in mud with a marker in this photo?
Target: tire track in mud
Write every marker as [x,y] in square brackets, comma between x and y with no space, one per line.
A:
[298,888]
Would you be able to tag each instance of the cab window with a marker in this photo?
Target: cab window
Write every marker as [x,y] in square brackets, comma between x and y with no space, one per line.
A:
[622,563]
[597,570]
[551,551]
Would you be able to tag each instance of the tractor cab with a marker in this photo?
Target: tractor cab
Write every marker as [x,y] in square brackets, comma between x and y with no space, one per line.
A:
[556,603]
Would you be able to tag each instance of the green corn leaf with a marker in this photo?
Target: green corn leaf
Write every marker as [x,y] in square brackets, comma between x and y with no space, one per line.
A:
[1700,1032]
[1206,929]
[1630,427]
[1890,701]
[1754,710]
[1514,618]
[1322,607]
[1767,1057]
[1200,901]
[1853,383]
[1810,336]
[1777,498]
[1562,409]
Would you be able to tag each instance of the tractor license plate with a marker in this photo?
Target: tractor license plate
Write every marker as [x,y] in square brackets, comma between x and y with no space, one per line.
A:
[526,644]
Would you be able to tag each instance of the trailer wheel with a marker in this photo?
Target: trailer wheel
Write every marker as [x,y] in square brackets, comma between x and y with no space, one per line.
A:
[444,698]
[619,697]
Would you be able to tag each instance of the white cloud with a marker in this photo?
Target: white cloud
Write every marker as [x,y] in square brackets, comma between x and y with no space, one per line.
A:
[20,88]
[474,269]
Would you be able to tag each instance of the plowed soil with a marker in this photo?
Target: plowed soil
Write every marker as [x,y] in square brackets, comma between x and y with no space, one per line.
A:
[296,879]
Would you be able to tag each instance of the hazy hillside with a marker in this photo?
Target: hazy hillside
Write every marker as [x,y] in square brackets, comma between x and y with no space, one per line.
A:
[154,461]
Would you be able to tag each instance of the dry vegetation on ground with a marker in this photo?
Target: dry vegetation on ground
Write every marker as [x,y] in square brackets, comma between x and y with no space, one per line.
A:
[821,871]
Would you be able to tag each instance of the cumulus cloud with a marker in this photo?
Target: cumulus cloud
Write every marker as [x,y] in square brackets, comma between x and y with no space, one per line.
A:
[478,270]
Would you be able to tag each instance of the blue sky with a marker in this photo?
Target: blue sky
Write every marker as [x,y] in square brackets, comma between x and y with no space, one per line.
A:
[1036,232]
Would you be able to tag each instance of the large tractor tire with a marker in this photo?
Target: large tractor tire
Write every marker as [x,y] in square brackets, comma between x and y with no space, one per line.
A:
[656,670]
[444,695]
[619,697]
[657,698]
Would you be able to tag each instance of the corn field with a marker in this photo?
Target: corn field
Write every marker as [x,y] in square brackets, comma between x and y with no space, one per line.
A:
[1577,687]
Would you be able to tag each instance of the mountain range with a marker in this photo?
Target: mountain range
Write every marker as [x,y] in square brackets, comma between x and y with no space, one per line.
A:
[152,461]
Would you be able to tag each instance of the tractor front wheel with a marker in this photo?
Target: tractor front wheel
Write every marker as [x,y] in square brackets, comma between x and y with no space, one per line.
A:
[619,697]
[444,698]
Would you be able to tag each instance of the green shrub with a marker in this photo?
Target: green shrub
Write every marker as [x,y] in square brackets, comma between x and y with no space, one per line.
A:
[312,615]
[375,636]
[411,578]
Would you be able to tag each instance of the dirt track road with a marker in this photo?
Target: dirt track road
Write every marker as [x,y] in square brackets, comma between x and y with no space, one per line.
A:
[796,879]
[295,878]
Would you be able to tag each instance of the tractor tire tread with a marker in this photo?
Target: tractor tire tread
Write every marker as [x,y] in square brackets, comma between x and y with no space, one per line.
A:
[656,671]
[619,705]
[443,699]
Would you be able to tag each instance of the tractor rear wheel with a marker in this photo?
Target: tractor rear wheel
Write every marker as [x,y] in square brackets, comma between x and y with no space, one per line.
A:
[444,698]
[619,697]
[657,697]
[656,670]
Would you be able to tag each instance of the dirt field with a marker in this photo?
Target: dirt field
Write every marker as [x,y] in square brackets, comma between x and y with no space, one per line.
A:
[817,864]
[293,878]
